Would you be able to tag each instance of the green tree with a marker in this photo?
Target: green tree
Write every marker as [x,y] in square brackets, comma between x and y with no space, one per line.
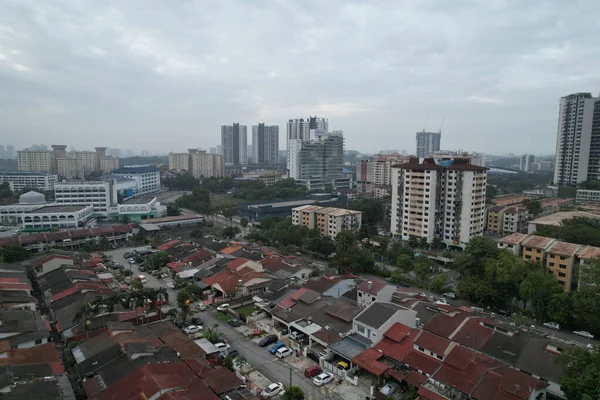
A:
[423,244]
[538,287]
[212,335]
[404,262]
[505,274]
[244,222]
[126,219]
[534,207]
[560,309]
[440,284]
[437,243]
[477,290]
[83,317]
[103,243]
[196,233]
[422,269]
[230,232]
[14,253]
[581,373]
[173,210]
[345,244]
[183,302]
[293,393]
[228,363]
[472,261]
[413,241]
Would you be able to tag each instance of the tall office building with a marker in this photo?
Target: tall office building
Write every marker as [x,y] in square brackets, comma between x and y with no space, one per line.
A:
[299,129]
[234,144]
[265,144]
[577,140]
[428,143]
[527,161]
[442,199]
[35,160]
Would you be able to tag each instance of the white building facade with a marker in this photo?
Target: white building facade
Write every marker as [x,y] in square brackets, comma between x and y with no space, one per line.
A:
[299,129]
[147,178]
[19,180]
[61,217]
[444,201]
[35,160]
[100,195]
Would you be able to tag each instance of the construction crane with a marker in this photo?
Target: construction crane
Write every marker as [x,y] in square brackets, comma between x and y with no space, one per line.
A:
[442,124]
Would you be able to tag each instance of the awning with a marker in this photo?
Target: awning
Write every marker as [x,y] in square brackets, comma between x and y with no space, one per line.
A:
[367,360]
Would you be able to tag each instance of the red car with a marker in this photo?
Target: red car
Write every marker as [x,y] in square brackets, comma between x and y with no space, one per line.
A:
[312,371]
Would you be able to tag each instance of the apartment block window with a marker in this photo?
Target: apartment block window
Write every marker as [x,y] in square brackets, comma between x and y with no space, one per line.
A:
[562,274]
[551,264]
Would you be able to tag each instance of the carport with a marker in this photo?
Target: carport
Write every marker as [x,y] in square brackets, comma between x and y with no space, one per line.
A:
[207,346]
[347,348]
[368,360]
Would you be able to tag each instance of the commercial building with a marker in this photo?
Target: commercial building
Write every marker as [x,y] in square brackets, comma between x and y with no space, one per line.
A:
[283,208]
[428,143]
[147,178]
[267,177]
[444,200]
[100,195]
[140,208]
[527,163]
[265,144]
[577,140]
[12,214]
[234,144]
[179,161]
[35,160]
[375,176]
[299,130]
[329,221]
[19,180]
[58,217]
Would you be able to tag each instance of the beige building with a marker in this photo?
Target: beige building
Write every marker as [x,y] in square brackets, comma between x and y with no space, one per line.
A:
[329,221]
[109,164]
[179,161]
[445,200]
[87,161]
[35,160]
[267,177]
[68,168]
[375,176]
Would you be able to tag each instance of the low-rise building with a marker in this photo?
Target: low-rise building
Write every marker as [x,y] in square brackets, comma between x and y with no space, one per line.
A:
[561,258]
[267,177]
[376,319]
[100,195]
[19,180]
[147,178]
[534,248]
[12,214]
[372,291]
[329,221]
[140,208]
[557,219]
[48,263]
[512,243]
[58,217]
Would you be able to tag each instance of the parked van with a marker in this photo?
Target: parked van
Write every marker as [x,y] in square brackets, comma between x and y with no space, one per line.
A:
[297,335]
[142,278]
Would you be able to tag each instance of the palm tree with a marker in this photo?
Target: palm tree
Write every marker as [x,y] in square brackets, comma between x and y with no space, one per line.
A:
[83,316]
[344,243]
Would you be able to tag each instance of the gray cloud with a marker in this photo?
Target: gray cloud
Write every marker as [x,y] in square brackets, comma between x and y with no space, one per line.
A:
[165,75]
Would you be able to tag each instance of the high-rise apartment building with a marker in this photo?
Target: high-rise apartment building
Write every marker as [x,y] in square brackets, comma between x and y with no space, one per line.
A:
[527,162]
[428,143]
[109,164]
[375,176]
[206,165]
[299,129]
[87,161]
[180,161]
[474,158]
[577,140]
[234,143]
[265,144]
[443,199]
[35,160]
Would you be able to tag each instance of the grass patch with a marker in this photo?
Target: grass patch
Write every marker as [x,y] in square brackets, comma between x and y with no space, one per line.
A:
[222,317]
[246,310]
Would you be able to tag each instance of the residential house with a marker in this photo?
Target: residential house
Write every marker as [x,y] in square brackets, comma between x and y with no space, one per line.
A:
[372,291]
[561,258]
[23,328]
[512,243]
[45,264]
[373,321]
[534,248]
[242,282]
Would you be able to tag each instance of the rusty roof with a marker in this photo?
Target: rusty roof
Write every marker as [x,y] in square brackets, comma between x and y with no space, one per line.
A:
[589,252]
[537,242]
[514,238]
[564,249]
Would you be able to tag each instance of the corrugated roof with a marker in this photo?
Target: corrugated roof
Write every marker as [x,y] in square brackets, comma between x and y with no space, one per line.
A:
[537,242]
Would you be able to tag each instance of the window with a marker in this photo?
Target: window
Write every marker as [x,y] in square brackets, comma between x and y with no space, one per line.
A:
[38,341]
[421,349]
[551,264]
[360,329]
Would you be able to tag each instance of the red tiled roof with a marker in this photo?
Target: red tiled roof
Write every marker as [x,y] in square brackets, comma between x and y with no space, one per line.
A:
[326,336]
[368,360]
[397,332]
[198,257]
[519,383]
[167,245]
[230,249]
[429,395]
[10,280]
[422,362]
[432,342]
[415,378]
[463,369]
[15,286]
[96,286]
[40,261]
[42,354]
[375,288]
[445,324]
[473,335]
[221,380]
[273,264]
[238,262]
[176,266]
[287,301]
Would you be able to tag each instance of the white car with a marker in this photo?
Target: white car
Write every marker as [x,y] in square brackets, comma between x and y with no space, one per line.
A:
[222,347]
[442,302]
[201,306]
[322,379]
[192,329]
[450,296]
[389,388]
[223,307]
[272,390]
[552,325]
[584,334]
[283,352]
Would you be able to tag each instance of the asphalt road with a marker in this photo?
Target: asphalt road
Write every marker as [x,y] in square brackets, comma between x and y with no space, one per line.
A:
[263,361]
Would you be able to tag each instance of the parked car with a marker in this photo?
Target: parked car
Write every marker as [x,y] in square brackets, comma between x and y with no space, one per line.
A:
[235,322]
[441,302]
[276,347]
[283,352]
[201,307]
[323,379]
[504,312]
[267,340]
[450,296]
[197,321]
[584,334]
[222,347]
[233,353]
[272,390]
[389,388]
[297,335]
[552,325]
[313,370]
[223,307]
[192,329]
[343,365]
[142,268]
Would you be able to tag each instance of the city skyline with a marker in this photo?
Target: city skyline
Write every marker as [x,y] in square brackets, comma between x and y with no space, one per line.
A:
[161,75]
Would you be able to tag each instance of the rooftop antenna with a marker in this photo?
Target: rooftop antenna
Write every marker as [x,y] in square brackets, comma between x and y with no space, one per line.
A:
[442,124]
[425,126]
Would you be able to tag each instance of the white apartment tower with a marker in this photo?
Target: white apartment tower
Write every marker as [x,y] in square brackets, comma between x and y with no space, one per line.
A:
[443,199]
[299,129]
[577,140]
[527,161]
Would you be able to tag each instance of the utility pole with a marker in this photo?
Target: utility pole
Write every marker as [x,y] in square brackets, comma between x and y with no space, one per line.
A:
[290,376]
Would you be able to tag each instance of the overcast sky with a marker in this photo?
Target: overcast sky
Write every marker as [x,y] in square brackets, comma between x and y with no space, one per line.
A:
[165,75]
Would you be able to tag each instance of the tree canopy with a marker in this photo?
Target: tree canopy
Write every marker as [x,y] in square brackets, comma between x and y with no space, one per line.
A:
[577,230]
[581,374]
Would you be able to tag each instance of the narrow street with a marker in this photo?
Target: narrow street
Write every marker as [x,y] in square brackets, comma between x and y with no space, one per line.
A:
[260,358]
